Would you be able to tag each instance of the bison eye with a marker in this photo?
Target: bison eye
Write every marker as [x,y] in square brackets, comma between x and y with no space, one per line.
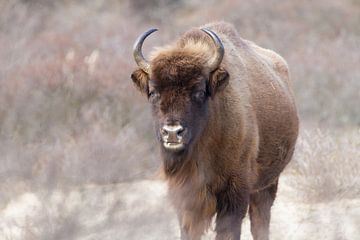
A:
[154,96]
[199,96]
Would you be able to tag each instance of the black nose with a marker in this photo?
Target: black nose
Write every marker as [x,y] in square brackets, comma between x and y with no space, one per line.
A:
[172,133]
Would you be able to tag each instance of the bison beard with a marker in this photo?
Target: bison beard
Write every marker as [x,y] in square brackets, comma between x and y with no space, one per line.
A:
[227,124]
[173,161]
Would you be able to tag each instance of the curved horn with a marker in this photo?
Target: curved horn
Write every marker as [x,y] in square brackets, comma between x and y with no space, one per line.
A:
[219,48]
[138,56]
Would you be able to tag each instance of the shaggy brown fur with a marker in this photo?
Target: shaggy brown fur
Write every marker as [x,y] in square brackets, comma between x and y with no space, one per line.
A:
[243,130]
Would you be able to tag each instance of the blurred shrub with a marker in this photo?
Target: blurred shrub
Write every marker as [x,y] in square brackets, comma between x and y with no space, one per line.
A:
[325,167]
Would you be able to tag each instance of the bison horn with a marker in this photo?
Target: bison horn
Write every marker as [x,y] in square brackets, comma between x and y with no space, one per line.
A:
[138,56]
[219,49]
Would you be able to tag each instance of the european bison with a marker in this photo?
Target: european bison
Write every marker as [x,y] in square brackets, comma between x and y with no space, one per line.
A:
[227,122]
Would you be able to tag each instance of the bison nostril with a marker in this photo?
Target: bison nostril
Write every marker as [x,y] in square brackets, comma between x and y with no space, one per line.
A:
[164,132]
[180,132]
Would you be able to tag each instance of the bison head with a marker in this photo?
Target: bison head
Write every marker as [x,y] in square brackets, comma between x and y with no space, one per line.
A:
[180,82]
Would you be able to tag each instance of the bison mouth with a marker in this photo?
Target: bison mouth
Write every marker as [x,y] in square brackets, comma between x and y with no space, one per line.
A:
[174,146]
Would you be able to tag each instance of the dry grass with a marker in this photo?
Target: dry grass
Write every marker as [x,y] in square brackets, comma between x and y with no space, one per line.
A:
[326,165]
[70,117]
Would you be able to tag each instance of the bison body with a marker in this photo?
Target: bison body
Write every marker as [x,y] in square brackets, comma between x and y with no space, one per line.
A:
[226,119]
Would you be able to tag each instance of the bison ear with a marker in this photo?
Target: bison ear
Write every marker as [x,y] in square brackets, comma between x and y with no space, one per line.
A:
[141,80]
[218,80]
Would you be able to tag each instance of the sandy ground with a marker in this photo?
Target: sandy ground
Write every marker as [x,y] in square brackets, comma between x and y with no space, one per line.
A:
[140,210]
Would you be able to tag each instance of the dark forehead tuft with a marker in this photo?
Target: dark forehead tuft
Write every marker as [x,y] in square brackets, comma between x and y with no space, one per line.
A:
[177,68]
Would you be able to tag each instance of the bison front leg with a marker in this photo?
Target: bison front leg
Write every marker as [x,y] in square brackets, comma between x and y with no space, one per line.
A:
[231,209]
[260,206]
